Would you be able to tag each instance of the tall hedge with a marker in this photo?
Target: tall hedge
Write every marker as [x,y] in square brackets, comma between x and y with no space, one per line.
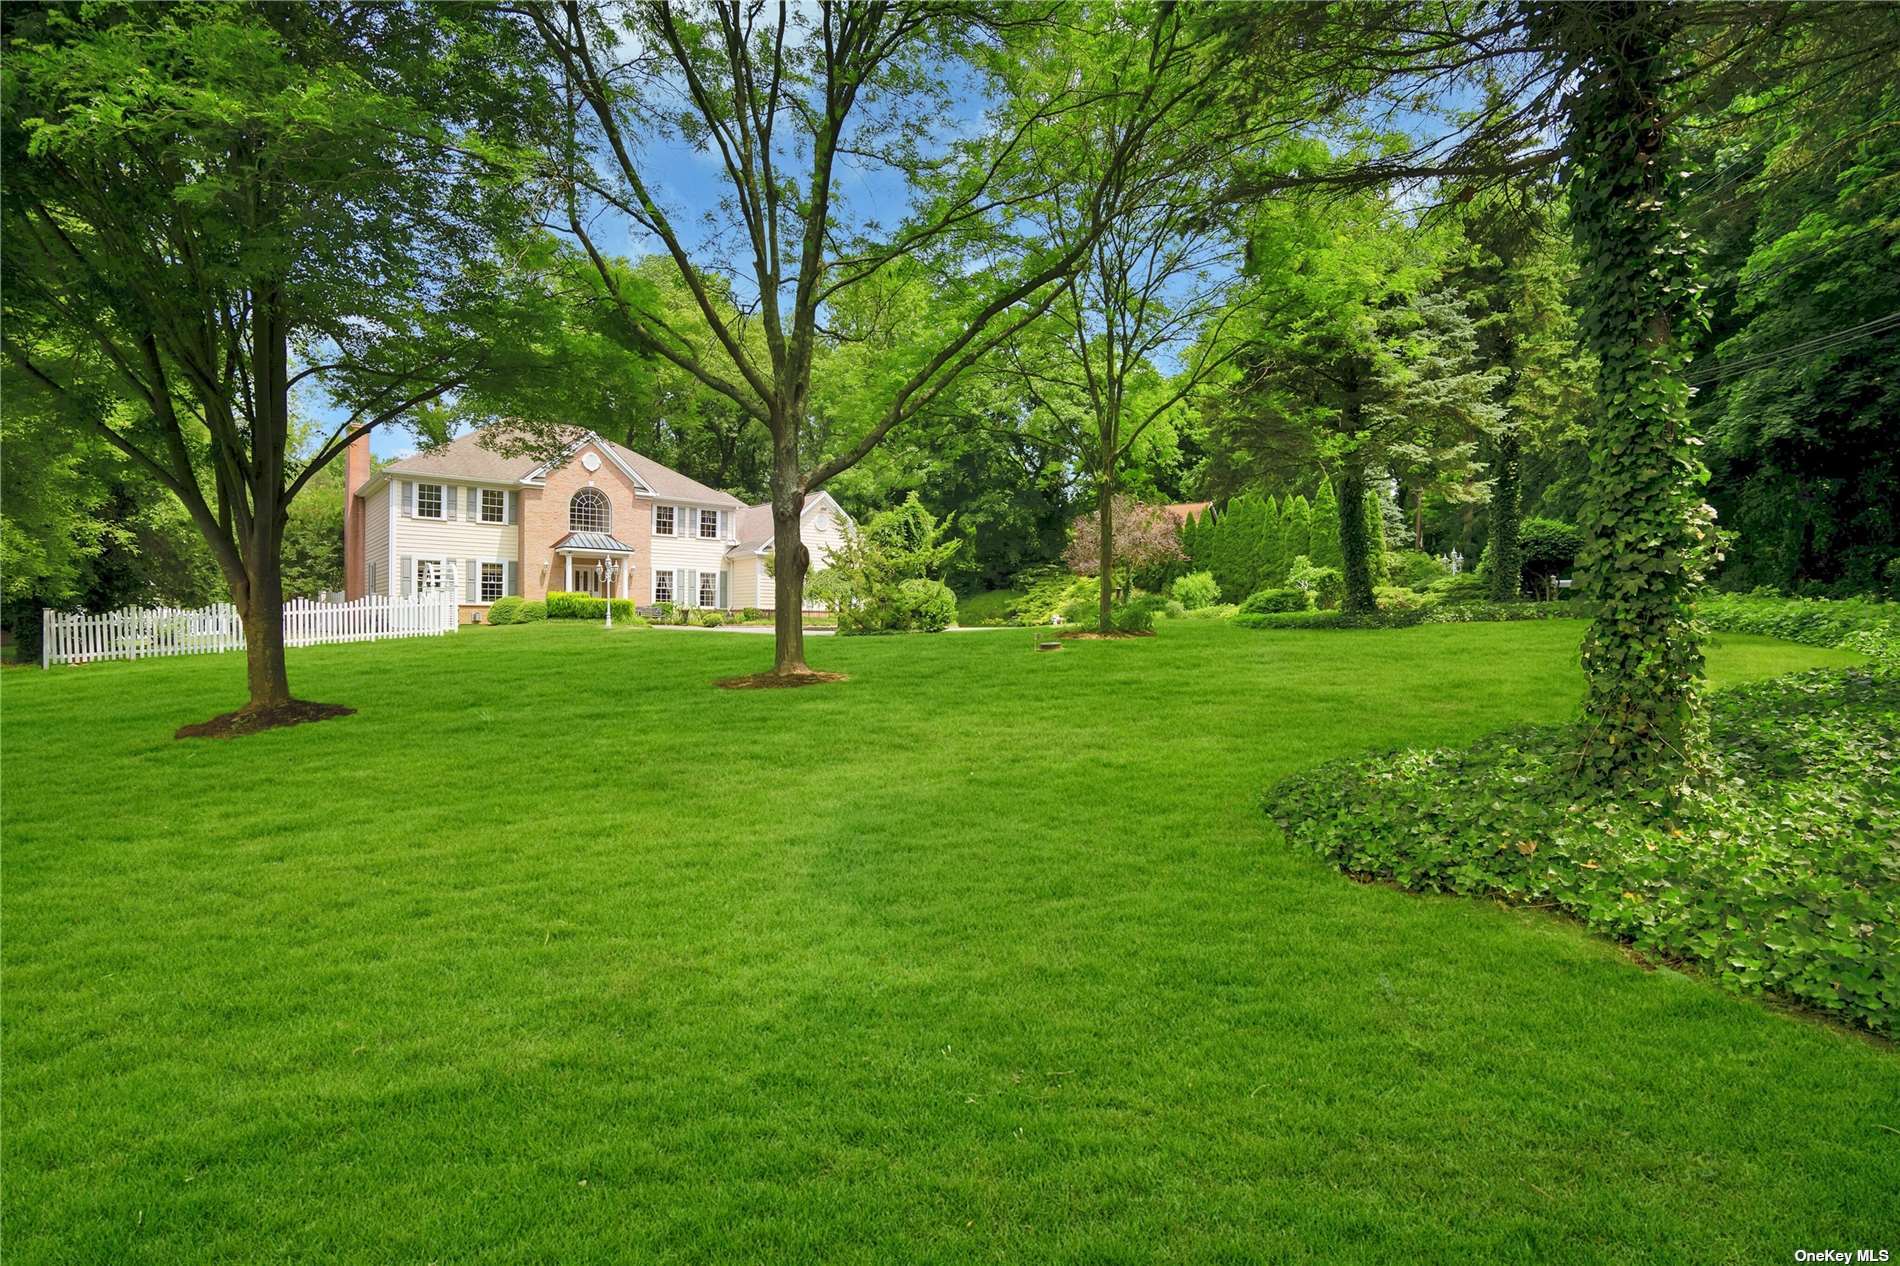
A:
[1323,543]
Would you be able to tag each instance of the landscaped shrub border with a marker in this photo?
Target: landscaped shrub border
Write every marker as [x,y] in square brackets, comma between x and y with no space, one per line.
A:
[581,606]
[1863,624]
[1782,877]
[1407,617]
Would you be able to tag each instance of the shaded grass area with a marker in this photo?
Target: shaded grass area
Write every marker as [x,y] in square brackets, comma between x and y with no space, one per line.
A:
[556,952]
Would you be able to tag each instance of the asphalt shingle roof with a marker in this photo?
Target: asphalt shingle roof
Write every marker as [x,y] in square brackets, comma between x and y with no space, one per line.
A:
[468,457]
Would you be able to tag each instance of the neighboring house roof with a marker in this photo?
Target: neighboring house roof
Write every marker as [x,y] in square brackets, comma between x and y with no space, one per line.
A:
[1182,509]
[753,525]
[593,543]
[465,457]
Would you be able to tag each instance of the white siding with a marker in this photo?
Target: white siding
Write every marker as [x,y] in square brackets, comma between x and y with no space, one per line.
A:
[458,537]
[821,531]
[684,552]
[376,541]
[749,583]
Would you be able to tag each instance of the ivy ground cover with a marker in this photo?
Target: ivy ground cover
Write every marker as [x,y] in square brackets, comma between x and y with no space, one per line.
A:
[981,955]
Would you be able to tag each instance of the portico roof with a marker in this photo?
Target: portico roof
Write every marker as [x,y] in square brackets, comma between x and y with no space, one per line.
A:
[590,543]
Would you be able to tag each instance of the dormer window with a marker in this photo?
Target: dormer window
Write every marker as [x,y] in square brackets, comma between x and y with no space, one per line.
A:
[589,512]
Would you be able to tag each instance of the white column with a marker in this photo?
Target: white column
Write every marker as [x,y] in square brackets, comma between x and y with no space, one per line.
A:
[570,571]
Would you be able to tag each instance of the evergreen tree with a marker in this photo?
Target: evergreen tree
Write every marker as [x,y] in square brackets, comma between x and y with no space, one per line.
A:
[1323,532]
[1296,529]
[1375,539]
[1273,550]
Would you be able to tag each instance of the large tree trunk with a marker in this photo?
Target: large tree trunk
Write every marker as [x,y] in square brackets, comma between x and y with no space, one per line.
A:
[790,561]
[1643,514]
[261,608]
[1353,546]
[1507,558]
[1105,615]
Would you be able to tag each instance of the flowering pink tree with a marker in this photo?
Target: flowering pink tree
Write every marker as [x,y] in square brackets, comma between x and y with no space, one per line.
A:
[1140,537]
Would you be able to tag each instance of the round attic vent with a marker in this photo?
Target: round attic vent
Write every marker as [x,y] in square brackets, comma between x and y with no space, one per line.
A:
[591,461]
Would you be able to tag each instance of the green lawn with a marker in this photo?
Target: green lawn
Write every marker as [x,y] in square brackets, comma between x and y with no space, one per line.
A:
[554,953]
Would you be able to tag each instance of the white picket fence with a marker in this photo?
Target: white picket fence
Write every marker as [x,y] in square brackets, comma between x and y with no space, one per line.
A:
[73,637]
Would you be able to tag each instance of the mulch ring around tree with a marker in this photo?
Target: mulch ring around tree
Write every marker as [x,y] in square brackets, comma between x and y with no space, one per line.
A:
[777,681]
[246,721]
[1092,636]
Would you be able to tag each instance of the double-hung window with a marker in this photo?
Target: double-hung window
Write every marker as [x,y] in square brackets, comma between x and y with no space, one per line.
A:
[429,502]
[663,586]
[709,525]
[494,505]
[494,581]
[708,588]
[428,573]
[663,521]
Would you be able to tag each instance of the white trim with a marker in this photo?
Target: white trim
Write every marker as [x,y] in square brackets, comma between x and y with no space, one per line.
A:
[442,500]
[415,578]
[389,572]
[481,579]
[672,582]
[540,473]
[811,503]
[605,500]
[481,507]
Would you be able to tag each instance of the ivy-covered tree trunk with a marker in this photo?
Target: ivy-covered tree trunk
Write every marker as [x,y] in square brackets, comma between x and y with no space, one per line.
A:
[1353,545]
[1645,522]
[1507,556]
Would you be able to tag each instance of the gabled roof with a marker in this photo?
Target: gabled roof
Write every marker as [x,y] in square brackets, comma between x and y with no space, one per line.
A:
[753,525]
[465,457]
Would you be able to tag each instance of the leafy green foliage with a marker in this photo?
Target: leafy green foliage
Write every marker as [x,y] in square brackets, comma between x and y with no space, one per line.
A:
[868,581]
[994,607]
[1804,449]
[533,612]
[1782,877]
[1196,589]
[581,606]
[925,606]
[1648,533]
[1864,622]
[505,610]
[1273,600]
[1400,615]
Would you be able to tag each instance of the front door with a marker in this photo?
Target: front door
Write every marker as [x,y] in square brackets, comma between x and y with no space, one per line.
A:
[586,579]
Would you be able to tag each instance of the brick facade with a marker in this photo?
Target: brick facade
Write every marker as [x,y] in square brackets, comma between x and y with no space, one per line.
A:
[544,521]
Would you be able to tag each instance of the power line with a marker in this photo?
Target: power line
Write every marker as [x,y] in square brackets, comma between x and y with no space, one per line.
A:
[1806,347]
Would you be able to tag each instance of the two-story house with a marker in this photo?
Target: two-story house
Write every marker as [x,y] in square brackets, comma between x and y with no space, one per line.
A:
[602,519]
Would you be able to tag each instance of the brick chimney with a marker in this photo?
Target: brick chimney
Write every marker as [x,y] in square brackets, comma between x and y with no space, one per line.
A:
[356,471]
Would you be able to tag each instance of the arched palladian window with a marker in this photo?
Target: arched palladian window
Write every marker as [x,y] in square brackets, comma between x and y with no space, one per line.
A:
[588,512]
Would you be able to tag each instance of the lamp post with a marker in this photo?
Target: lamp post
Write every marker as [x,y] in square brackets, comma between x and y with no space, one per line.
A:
[605,569]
